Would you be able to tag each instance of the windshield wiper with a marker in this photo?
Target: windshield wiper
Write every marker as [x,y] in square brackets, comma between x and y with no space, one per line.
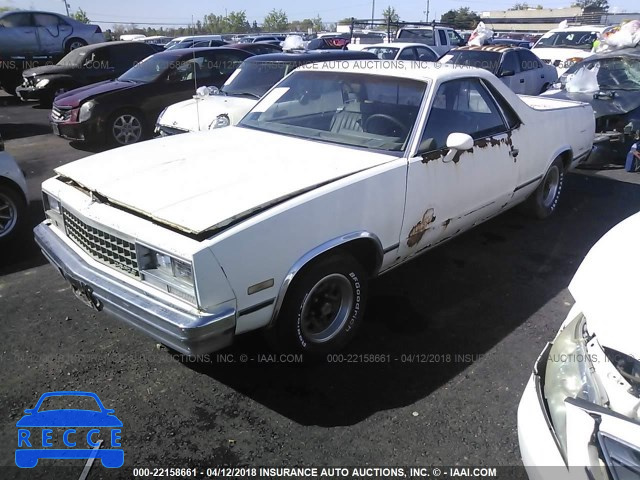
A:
[237,94]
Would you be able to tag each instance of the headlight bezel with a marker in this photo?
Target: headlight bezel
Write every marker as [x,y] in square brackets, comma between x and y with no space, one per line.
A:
[162,269]
[86,111]
[569,360]
[221,121]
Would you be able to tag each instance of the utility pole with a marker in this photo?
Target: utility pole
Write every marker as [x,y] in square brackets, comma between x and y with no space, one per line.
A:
[67,6]
[373,11]
[427,11]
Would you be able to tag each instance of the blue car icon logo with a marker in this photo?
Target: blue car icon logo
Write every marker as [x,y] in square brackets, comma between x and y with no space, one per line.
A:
[69,433]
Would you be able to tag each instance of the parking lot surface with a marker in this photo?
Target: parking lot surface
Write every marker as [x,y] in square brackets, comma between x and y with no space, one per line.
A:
[434,378]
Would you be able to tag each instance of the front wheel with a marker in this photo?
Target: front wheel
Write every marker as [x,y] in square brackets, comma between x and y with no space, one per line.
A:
[323,308]
[126,128]
[12,213]
[544,200]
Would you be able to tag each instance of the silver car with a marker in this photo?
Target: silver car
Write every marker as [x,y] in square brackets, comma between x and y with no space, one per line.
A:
[13,197]
[30,33]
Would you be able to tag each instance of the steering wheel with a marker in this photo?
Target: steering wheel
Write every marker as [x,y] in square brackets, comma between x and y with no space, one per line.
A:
[388,118]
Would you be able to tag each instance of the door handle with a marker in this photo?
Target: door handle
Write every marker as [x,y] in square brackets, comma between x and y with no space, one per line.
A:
[514,152]
[522,80]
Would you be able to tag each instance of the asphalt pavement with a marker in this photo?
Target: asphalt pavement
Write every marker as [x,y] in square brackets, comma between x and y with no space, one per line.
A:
[455,333]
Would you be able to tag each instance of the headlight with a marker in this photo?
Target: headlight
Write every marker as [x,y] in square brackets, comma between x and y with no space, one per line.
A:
[42,83]
[569,373]
[85,111]
[51,203]
[220,121]
[168,273]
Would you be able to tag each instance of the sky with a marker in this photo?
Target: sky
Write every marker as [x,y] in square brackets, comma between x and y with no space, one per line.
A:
[106,12]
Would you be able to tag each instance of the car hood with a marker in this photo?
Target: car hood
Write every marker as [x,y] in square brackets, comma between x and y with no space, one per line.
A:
[606,288]
[198,113]
[48,70]
[622,103]
[554,54]
[69,418]
[203,181]
[80,95]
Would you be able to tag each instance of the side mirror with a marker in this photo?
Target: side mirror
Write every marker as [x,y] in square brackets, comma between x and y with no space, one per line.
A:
[459,141]
[507,73]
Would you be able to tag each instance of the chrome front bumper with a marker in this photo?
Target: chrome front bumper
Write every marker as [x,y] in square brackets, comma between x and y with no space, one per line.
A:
[184,331]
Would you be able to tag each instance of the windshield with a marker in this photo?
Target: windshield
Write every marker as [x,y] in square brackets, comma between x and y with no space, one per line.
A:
[618,73]
[369,111]
[417,34]
[582,40]
[383,53]
[488,60]
[65,402]
[74,58]
[172,43]
[256,78]
[149,70]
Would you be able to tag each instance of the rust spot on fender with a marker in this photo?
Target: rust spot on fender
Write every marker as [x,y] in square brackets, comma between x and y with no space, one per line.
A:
[446,223]
[430,156]
[417,232]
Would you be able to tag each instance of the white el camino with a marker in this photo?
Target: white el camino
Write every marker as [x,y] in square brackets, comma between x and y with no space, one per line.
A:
[341,172]
[579,417]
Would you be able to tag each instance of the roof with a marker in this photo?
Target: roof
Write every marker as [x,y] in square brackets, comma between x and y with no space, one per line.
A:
[396,45]
[180,52]
[630,51]
[313,56]
[491,48]
[580,28]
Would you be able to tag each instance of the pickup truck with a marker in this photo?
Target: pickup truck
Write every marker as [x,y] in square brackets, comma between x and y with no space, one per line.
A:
[341,172]
[440,39]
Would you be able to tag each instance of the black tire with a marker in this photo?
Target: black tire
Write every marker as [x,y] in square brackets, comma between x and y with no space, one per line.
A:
[13,212]
[545,87]
[118,119]
[74,43]
[308,322]
[544,200]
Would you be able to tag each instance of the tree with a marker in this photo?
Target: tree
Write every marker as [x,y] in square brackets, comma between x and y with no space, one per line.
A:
[81,16]
[462,18]
[520,6]
[390,15]
[275,21]
[592,4]
[318,25]
[237,22]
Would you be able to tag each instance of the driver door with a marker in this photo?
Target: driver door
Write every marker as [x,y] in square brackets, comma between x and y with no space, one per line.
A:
[52,33]
[18,36]
[450,191]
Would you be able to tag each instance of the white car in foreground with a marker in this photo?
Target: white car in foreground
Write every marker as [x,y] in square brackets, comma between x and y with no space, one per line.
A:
[341,172]
[562,47]
[13,197]
[580,412]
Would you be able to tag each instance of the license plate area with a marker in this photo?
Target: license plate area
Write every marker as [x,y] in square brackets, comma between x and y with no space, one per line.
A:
[84,293]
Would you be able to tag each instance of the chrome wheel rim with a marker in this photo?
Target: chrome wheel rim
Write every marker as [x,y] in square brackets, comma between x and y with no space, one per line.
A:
[8,215]
[326,308]
[550,186]
[127,129]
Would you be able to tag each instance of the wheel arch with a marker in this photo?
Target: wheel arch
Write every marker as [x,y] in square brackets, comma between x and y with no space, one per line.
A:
[7,182]
[565,153]
[364,246]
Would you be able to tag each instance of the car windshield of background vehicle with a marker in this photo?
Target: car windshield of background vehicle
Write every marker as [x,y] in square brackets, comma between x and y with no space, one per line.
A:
[618,73]
[580,40]
[383,53]
[369,111]
[417,34]
[147,71]
[254,79]
[488,60]
[74,58]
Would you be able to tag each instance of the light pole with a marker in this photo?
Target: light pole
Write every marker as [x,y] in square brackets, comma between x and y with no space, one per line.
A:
[427,11]
[67,6]
[373,11]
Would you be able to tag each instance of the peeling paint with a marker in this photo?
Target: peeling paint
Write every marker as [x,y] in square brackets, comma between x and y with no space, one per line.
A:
[446,223]
[458,154]
[430,156]
[418,231]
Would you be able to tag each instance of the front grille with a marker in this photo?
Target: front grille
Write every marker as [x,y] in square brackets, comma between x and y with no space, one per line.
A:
[102,246]
[60,114]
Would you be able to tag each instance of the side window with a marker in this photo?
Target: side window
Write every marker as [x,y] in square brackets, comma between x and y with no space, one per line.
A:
[17,20]
[454,38]
[407,54]
[443,37]
[219,65]
[510,63]
[462,106]
[98,59]
[46,20]
[510,115]
[126,56]
[426,54]
[528,61]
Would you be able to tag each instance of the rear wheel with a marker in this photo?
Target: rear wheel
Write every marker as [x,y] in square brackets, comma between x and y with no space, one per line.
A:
[74,43]
[323,308]
[544,200]
[12,212]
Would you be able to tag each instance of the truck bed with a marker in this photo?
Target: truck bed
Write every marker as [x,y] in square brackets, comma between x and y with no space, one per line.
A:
[546,103]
